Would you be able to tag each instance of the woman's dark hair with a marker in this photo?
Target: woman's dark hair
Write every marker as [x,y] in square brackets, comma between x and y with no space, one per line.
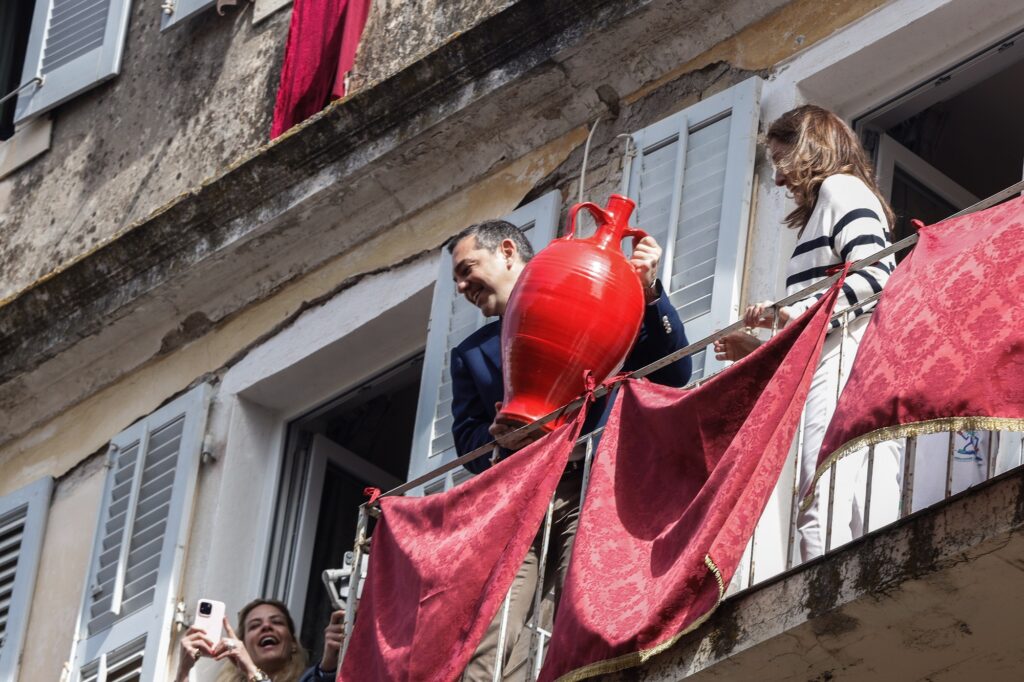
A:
[815,144]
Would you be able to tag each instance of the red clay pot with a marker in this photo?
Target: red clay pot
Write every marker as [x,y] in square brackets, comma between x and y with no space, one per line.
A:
[577,306]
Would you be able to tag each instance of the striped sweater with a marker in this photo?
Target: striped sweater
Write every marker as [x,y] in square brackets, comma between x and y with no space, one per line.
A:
[846,225]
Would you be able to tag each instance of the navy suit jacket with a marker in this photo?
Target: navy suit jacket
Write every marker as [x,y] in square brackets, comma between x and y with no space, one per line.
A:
[477,378]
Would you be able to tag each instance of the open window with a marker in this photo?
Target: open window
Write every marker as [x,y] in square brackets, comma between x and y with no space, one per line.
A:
[952,140]
[360,439]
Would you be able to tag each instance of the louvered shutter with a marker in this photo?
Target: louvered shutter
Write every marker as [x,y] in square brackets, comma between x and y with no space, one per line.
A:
[74,45]
[176,11]
[125,664]
[22,524]
[452,319]
[692,179]
[143,525]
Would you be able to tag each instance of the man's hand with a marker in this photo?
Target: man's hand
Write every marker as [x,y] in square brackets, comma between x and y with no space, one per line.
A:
[736,346]
[334,637]
[503,434]
[761,315]
[645,259]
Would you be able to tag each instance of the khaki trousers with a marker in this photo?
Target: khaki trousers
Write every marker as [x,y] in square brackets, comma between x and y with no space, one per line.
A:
[565,520]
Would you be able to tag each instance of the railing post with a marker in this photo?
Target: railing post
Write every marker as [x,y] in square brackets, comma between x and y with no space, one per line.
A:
[499,655]
[352,603]
[538,590]
[909,460]
[949,462]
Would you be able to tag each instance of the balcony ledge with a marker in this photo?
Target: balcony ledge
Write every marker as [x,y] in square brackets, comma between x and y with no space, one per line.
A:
[937,595]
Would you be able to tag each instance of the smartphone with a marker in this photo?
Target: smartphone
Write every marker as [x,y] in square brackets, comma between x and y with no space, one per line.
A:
[210,617]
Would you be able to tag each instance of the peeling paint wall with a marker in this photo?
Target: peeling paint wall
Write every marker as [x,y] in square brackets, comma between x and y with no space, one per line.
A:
[187,103]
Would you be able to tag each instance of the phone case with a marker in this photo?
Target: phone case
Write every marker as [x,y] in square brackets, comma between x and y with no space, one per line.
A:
[213,622]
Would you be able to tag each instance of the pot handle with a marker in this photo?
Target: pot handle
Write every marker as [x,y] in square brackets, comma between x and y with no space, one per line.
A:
[599,215]
[636,233]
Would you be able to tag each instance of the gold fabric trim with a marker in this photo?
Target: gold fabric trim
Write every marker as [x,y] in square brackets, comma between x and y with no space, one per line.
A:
[636,658]
[943,424]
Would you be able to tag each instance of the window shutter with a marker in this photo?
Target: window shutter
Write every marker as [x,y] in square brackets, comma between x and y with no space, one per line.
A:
[452,319]
[22,524]
[692,178]
[74,45]
[142,529]
[176,11]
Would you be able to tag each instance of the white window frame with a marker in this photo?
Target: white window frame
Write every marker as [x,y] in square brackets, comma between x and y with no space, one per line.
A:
[153,621]
[742,103]
[32,503]
[322,452]
[893,155]
[87,70]
[542,213]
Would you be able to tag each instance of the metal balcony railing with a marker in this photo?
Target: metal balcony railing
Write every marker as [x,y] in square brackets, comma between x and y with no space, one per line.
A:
[991,453]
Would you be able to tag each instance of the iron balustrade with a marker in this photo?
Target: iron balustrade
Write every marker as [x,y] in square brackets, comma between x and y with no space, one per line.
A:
[1003,446]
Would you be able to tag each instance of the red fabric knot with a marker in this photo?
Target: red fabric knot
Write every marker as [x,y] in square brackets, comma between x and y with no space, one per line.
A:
[372,493]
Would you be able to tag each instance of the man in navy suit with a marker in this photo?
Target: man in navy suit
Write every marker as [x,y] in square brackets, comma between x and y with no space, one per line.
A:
[487,259]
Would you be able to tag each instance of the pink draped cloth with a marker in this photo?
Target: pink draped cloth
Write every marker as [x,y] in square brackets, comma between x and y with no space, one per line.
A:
[321,50]
[678,485]
[440,566]
[945,347]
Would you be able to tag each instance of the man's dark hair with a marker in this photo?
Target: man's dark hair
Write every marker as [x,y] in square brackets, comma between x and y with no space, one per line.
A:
[489,235]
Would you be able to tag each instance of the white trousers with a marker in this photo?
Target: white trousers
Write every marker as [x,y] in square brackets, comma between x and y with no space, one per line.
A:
[849,507]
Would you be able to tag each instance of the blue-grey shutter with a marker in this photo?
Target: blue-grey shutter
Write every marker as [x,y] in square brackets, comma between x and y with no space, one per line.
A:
[692,179]
[73,45]
[176,11]
[452,319]
[142,530]
[22,524]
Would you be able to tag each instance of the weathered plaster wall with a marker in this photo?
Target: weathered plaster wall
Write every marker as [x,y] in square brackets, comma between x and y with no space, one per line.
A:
[66,549]
[186,103]
[399,32]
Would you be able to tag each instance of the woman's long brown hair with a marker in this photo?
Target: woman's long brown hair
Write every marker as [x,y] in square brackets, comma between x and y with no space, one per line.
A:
[296,664]
[816,144]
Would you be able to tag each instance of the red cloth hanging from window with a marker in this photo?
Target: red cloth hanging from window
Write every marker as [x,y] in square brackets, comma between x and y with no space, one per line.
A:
[320,51]
[440,566]
[678,485]
[945,348]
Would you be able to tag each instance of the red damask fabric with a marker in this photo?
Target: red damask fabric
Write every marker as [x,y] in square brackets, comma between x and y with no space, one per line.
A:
[679,482]
[946,340]
[320,51]
[440,566]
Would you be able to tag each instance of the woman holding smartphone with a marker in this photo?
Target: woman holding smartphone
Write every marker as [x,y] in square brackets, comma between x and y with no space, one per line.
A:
[840,217]
[266,650]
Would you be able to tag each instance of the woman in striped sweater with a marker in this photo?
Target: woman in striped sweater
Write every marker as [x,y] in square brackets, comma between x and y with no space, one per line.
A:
[841,217]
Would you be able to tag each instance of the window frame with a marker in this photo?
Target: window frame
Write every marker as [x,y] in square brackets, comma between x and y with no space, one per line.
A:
[35,499]
[73,78]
